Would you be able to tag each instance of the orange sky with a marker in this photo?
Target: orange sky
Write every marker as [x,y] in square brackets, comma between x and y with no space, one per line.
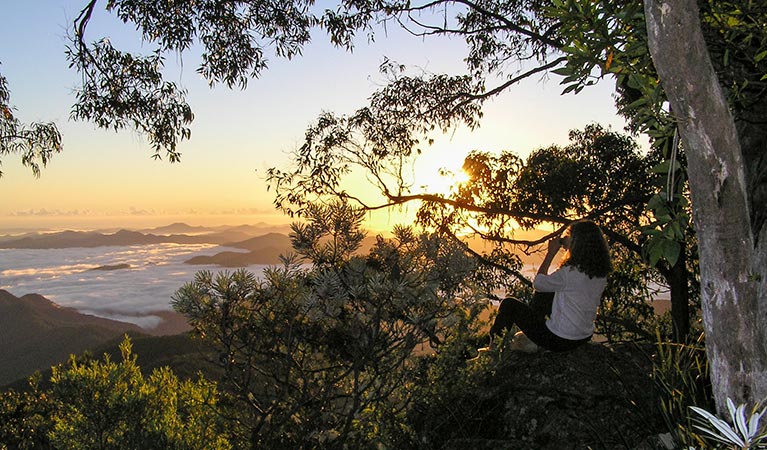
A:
[105,179]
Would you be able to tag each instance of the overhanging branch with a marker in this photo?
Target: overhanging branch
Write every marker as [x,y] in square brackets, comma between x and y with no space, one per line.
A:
[481,258]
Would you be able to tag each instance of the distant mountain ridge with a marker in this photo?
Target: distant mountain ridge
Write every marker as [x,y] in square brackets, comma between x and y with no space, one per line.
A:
[177,228]
[261,249]
[264,249]
[250,230]
[178,232]
[71,239]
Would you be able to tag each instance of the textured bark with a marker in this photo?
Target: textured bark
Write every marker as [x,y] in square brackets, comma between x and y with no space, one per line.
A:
[732,268]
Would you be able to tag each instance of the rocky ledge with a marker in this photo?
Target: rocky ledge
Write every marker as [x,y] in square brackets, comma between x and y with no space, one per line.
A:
[598,396]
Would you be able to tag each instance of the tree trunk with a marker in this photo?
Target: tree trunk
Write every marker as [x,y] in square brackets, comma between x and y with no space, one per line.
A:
[732,270]
[677,279]
[680,297]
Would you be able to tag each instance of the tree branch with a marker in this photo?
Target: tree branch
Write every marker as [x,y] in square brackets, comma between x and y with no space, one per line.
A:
[481,258]
[469,97]
[505,21]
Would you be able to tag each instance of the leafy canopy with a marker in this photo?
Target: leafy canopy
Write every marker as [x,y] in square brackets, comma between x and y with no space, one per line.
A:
[323,352]
[102,404]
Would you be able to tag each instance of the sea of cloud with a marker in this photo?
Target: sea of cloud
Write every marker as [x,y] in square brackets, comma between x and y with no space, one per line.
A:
[65,276]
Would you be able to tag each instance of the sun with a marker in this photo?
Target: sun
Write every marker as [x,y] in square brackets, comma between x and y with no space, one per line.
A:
[441,182]
[439,175]
[439,169]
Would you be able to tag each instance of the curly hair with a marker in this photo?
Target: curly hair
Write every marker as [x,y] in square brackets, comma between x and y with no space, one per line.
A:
[589,252]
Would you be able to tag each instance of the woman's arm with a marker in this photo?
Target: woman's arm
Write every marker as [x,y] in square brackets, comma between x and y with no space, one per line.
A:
[555,244]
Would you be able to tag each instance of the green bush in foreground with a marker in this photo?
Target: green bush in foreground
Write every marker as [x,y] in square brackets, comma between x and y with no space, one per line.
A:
[101,404]
[326,355]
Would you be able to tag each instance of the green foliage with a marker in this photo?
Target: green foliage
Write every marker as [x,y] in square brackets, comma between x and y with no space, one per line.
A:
[24,419]
[94,404]
[609,39]
[324,356]
[668,231]
[737,40]
[234,35]
[36,142]
[333,235]
[670,224]
[448,398]
[236,40]
[739,432]
[122,89]
[626,312]
[681,376]
[499,33]
[130,91]
[600,173]
[618,47]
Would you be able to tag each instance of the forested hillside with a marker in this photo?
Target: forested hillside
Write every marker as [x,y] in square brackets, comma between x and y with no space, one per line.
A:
[35,333]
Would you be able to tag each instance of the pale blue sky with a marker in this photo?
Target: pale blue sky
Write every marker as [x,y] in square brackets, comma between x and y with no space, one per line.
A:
[103,178]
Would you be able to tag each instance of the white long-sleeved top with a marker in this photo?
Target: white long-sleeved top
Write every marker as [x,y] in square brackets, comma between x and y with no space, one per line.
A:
[576,299]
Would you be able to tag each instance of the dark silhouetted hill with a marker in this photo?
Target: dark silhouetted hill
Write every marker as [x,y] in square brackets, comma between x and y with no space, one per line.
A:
[264,249]
[238,259]
[185,355]
[259,243]
[35,333]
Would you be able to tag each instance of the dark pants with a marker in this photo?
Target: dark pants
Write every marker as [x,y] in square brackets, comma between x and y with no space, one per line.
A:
[531,320]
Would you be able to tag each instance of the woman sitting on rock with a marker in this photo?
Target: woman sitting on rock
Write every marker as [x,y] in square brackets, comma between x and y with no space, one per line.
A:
[577,287]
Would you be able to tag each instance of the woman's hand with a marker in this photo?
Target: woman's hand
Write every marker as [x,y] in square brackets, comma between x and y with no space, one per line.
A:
[555,244]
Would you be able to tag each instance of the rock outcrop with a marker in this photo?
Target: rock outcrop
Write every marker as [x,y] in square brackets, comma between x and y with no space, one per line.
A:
[598,396]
